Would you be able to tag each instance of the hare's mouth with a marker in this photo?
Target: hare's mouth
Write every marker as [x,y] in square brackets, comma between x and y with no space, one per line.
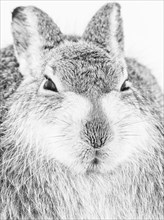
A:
[94,165]
[95,161]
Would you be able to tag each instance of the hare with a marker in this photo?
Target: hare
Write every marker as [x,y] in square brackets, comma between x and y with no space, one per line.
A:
[82,125]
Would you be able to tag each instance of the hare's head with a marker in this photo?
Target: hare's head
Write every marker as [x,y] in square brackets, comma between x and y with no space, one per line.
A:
[75,104]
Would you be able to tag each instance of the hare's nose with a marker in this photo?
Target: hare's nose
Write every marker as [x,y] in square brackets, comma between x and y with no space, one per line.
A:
[95,133]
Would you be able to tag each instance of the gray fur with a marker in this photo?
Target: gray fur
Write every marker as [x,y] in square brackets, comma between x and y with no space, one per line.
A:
[23,37]
[34,186]
[98,30]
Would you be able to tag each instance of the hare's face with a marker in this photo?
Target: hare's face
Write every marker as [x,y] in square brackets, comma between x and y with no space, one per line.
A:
[76,105]
[82,112]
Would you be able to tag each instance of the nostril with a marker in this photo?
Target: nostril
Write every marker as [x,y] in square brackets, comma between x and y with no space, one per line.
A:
[97,145]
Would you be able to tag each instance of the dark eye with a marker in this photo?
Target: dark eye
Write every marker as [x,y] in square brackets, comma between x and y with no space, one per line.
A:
[125,86]
[49,85]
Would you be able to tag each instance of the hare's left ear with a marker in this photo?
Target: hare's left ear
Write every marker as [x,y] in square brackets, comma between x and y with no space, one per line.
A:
[105,28]
[34,34]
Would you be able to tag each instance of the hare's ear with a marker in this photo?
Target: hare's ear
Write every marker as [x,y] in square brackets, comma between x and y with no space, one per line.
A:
[105,28]
[34,34]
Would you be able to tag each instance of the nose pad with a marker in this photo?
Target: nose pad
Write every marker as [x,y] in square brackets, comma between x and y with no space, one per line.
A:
[96,132]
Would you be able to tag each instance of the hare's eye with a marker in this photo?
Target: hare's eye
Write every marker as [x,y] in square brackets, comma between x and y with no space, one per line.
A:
[49,85]
[125,86]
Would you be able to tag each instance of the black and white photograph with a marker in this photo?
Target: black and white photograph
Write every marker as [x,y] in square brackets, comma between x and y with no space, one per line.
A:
[81,110]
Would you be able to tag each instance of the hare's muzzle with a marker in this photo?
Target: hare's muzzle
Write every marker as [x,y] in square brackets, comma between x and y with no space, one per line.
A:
[96,132]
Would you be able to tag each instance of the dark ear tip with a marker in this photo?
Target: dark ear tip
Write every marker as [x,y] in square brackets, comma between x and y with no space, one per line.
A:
[17,12]
[114,4]
[110,6]
[117,4]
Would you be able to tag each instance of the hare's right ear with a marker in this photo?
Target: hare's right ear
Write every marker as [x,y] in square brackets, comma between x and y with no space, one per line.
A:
[105,29]
[34,33]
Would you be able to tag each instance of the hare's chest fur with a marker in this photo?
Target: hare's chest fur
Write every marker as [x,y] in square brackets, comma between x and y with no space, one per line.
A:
[107,197]
[85,200]
[94,199]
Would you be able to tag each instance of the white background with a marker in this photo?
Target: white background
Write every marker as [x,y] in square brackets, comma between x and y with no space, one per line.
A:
[143,25]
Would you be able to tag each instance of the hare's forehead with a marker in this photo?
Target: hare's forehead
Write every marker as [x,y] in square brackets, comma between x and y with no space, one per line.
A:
[83,68]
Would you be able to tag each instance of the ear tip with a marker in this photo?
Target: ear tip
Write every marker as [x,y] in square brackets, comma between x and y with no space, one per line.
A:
[112,5]
[17,11]
[117,4]
[118,7]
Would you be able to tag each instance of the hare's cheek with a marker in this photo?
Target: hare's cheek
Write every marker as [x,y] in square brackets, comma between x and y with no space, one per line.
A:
[61,135]
[130,128]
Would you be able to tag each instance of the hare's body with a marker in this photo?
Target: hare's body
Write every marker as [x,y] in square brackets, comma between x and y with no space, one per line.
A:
[91,150]
[49,191]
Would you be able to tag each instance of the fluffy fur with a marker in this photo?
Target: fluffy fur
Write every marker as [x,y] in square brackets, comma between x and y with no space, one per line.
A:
[88,150]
